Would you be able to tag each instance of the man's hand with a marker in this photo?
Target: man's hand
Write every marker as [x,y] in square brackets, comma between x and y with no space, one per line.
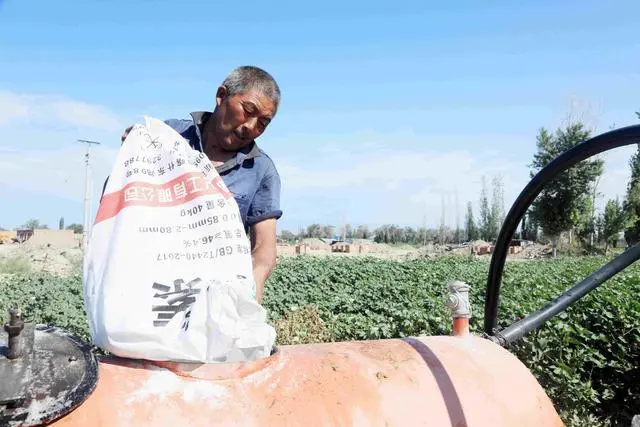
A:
[263,252]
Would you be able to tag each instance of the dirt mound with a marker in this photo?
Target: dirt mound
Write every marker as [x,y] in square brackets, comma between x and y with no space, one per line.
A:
[362,242]
[533,251]
[316,244]
[22,258]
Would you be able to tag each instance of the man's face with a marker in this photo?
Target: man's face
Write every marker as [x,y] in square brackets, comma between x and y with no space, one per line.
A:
[241,118]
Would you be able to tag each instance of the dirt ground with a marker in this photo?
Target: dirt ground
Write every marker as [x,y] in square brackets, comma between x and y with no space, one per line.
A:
[403,252]
[18,258]
[64,261]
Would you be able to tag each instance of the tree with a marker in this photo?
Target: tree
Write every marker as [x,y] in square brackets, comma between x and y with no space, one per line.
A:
[497,208]
[593,211]
[287,236]
[485,213]
[61,223]
[470,225]
[410,235]
[632,215]
[424,235]
[363,232]
[77,228]
[556,206]
[529,228]
[600,229]
[457,235]
[348,232]
[613,222]
[631,205]
[32,224]
[386,234]
[585,220]
[442,230]
[329,231]
[315,231]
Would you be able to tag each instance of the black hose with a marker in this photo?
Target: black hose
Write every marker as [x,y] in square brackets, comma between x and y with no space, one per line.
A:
[519,329]
[598,144]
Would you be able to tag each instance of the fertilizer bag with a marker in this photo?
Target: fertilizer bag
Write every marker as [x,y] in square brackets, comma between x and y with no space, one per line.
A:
[168,270]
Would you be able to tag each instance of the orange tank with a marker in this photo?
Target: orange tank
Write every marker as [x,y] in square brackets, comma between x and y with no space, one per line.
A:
[51,377]
[432,381]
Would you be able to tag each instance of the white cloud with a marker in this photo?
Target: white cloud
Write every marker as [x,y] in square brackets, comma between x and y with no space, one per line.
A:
[55,111]
[379,168]
[415,183]
[55,172]
[12,107]
[38,152]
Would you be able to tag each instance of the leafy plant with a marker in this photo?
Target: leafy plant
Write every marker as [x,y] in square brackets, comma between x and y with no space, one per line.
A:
[44,298]
[585,358]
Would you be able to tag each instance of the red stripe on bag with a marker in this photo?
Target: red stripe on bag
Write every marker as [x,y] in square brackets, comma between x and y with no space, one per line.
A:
[172,193]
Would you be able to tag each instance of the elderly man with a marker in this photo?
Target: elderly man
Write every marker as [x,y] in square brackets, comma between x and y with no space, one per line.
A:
[246,102]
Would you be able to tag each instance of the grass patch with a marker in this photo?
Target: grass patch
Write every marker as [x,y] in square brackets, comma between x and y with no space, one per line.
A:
[15,265]
[303,326]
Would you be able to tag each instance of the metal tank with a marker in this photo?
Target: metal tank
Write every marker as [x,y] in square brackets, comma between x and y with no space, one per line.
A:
[49,377]
[458,380]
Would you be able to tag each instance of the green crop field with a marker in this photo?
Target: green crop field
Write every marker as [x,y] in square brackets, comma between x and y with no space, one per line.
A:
[586,358]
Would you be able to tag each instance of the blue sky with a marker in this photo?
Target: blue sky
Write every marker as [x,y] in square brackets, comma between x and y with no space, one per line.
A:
[386,109]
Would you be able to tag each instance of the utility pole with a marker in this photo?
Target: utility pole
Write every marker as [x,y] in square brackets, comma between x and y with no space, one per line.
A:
[87,190]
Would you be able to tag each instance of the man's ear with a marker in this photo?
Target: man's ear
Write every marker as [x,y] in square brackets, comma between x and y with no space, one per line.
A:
[221,94]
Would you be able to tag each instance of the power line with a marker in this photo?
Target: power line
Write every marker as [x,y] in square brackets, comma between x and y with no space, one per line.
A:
[87,205]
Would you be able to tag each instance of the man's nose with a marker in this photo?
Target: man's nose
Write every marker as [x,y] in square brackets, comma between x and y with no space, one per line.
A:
[250,128]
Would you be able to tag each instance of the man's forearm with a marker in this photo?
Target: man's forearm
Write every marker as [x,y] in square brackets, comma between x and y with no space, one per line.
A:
[263,252]
[263,265]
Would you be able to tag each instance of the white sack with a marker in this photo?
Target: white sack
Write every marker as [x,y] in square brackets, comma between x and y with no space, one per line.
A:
[168,270]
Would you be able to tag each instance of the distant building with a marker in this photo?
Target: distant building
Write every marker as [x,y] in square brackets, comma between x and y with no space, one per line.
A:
[329,241]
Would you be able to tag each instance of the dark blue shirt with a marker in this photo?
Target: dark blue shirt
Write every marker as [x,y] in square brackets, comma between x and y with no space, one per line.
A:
[250,175]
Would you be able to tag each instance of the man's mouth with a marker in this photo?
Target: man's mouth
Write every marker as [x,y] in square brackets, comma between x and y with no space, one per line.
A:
[233,141]
[237,138]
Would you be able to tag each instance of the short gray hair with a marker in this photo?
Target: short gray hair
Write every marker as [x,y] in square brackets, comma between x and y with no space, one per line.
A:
[248,77]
